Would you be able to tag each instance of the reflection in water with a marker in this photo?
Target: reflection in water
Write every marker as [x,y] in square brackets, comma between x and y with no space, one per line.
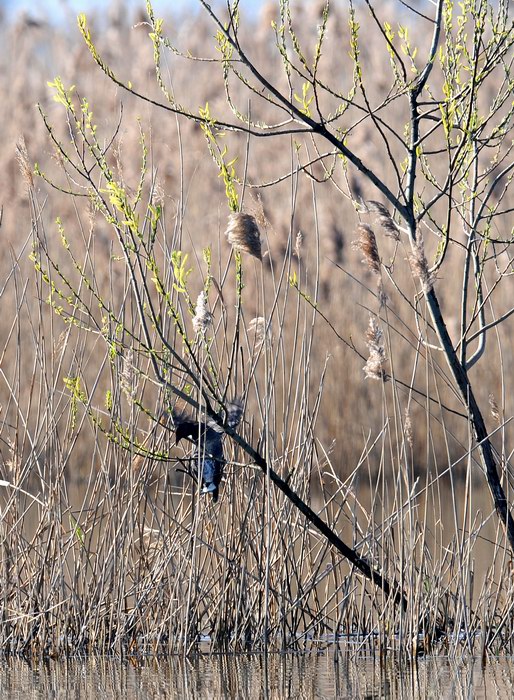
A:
[275,676]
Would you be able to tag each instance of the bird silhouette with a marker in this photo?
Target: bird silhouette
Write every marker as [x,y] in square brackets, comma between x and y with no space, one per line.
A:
[208,440]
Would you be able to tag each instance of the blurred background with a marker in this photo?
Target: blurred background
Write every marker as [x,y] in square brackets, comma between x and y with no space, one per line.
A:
[41,40]
[57,10]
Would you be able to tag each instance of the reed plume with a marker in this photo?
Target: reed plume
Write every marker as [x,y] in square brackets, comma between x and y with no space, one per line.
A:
[419,264]
[384,219]
[203,317]
[23,161]
[243,234]
[374,367]
[367,244]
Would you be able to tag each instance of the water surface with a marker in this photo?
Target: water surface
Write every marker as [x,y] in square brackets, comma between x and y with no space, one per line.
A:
[299,677]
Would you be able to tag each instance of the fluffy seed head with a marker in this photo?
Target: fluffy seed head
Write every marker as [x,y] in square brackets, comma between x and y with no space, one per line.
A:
[377,207]
[257,326]
[298,244]
[390,227]
[243,234]
[367,244]
[128,376]
[374,367]
[495,411]
[408,428]
[23,161]
[419,264]
[203,317]
[385,219]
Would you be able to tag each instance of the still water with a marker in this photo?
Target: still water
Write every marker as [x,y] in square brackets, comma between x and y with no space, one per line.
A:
[299,677]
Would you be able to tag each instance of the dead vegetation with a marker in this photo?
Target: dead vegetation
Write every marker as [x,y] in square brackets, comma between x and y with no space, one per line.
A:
[139,304]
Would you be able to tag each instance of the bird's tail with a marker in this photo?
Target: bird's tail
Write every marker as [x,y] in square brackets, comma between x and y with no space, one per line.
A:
[213,489]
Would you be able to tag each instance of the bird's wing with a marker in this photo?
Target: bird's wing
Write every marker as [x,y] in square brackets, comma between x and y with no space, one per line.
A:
[188,429]
[214,443]
[210,432]
[212,472]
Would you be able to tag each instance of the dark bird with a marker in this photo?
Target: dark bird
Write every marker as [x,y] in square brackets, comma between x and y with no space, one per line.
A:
[208,440]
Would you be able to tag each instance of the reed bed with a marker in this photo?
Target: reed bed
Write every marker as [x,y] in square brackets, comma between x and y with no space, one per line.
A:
[141,303]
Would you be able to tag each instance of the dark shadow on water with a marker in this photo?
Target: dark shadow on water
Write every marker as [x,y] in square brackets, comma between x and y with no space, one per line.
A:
[275,676]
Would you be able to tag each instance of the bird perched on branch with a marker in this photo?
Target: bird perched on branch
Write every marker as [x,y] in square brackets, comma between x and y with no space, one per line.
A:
[208,439]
